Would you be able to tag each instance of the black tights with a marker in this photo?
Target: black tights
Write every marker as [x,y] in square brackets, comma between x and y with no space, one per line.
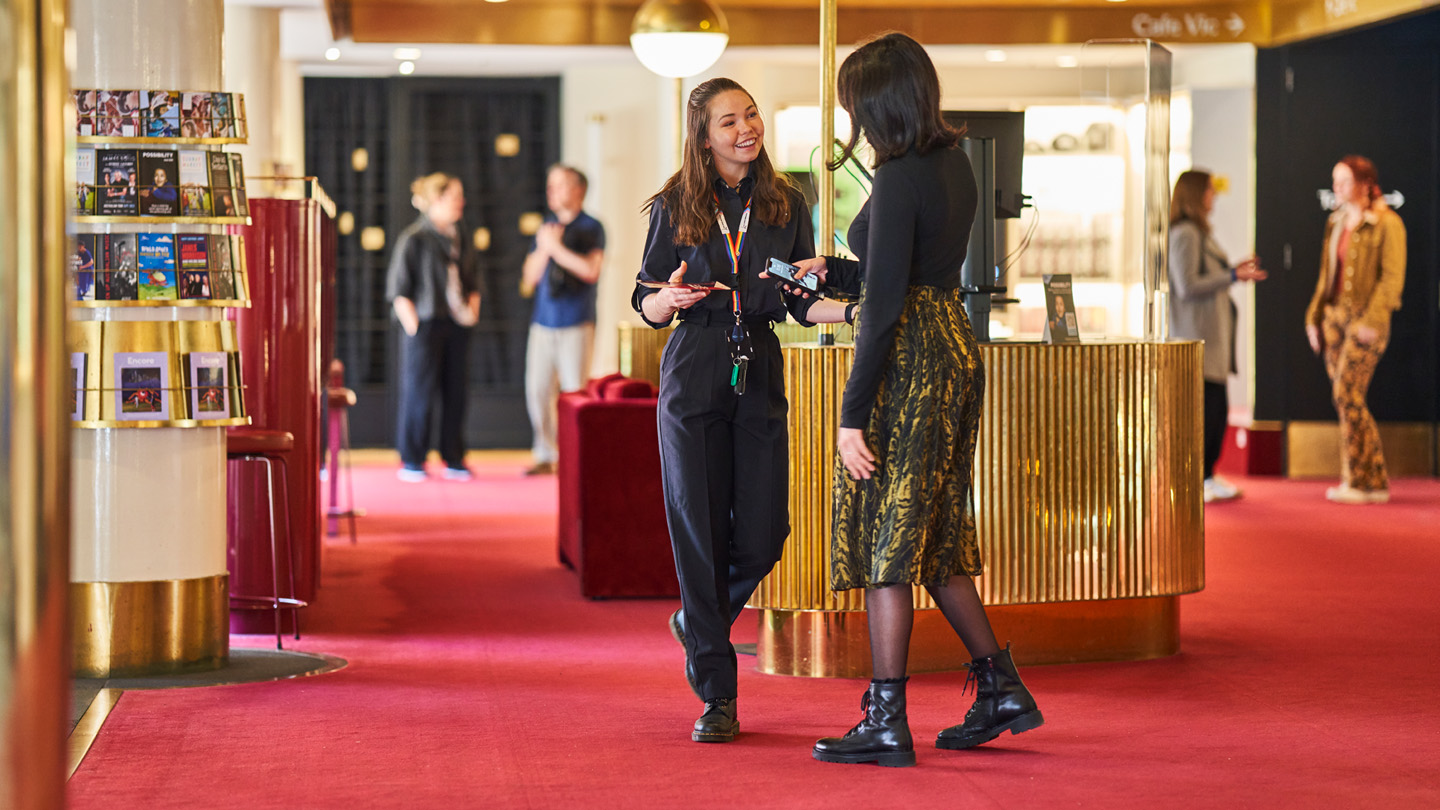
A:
[891,614]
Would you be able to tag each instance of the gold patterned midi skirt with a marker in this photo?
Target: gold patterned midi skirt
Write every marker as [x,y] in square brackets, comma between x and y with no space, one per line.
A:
[913,520]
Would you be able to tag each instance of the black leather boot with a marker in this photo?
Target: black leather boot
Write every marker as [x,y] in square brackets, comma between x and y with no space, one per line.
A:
[882,736]
[1002,703]
[719,722]
[677,629]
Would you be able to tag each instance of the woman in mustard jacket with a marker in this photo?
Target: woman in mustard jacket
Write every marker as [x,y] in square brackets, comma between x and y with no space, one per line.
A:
[1362,272]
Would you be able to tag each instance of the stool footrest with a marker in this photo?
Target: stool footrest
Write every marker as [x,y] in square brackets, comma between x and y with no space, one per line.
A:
[266,603]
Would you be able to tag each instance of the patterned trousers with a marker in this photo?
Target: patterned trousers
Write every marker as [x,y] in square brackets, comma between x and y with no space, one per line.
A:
[1351,365]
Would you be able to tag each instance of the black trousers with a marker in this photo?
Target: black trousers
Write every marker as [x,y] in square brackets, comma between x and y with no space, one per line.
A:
[1217,417]
[433,362]
[725,465]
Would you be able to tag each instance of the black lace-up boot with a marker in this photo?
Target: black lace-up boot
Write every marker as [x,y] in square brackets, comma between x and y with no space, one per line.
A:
[719,722]
[882,736]
[1002,703]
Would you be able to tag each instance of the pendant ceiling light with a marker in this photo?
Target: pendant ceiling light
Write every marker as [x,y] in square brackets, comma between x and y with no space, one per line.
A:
[678,38]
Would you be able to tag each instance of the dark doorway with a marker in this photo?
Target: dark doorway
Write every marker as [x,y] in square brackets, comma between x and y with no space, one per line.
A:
[410,127]
[1375,93]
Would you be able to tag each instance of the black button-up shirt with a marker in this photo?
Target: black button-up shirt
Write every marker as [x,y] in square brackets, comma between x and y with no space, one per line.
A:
[759,297]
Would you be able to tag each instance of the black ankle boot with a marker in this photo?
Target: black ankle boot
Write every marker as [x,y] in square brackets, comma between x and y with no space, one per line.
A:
[677,629]
[882,736]
[718,723]
[1002,703]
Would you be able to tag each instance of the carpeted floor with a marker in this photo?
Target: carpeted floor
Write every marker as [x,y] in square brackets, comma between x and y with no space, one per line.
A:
[479,678]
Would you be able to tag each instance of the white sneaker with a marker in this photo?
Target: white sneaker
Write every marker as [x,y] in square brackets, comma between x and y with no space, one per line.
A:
[457,474]
[1218,489]
[1349,495]
[410,476]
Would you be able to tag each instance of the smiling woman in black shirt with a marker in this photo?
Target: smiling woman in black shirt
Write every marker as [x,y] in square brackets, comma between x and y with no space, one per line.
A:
[904,513]
[723,440]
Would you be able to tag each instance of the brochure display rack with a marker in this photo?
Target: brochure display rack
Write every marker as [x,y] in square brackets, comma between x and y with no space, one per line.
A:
[155,197]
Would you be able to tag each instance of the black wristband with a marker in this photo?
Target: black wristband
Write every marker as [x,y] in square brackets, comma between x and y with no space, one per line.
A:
[850,313]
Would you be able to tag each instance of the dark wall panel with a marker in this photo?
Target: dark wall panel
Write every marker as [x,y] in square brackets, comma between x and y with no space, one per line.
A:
[1375,93]
[411,127]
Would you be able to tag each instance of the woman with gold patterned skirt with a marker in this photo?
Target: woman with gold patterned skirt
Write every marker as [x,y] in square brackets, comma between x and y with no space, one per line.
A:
[904,511]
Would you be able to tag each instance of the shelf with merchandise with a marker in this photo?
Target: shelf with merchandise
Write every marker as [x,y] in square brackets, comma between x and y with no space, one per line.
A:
[151,374]
[159,116]
[163,268]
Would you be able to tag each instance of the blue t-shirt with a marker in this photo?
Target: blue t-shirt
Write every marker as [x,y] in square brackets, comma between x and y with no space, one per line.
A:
[561,299]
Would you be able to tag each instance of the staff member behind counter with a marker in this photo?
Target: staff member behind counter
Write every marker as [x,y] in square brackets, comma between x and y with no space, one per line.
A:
[723,440]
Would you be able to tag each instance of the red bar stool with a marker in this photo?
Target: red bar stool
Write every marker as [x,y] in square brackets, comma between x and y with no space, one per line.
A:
[339,401]
[269,447]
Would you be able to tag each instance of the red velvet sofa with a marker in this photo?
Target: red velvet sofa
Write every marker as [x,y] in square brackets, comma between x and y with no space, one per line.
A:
[612,508]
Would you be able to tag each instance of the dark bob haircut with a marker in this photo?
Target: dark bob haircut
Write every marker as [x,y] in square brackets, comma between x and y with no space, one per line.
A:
[889,87]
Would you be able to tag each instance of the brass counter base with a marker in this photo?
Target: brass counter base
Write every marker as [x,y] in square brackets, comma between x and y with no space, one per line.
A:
[131,629]
[836,644]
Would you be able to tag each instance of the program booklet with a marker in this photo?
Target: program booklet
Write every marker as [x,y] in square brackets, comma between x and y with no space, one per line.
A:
[237,184]
[117,113]
[194,183]
[120,279]
[162,114]
[159,196]
[157,266]
[84,181]
[77,386]
[222,280]
[222,200]
[195,115]
[85,267]
[117,173]
[84,112]
[1060,323]
[209,388]
[142,385]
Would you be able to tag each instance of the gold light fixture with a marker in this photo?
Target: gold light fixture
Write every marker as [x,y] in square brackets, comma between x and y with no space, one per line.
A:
[678,38]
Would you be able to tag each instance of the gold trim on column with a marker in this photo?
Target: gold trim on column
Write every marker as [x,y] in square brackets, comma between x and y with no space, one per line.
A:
[1312,449]
[129,629]
[836,644]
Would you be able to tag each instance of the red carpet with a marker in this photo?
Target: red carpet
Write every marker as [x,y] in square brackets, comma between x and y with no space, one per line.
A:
[479,678]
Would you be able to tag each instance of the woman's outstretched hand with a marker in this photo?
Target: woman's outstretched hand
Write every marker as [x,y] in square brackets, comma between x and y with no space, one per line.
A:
[805,267]
[855,454]
[674,299]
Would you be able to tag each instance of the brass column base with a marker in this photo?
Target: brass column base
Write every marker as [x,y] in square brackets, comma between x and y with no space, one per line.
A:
[133,629]
[836,644]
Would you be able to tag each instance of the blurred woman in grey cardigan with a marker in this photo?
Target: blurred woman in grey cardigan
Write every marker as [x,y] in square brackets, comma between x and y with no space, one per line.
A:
[1200,307]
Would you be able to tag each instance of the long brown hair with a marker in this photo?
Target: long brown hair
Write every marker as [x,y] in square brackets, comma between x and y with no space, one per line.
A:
[689,193]
[1365,175]
[1188,201]
[890,88]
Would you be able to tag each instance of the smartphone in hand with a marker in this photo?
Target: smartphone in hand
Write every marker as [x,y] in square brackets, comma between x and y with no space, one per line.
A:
[787,271]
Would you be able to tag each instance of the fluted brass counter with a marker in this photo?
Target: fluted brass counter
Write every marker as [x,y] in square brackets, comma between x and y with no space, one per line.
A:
[1088,503]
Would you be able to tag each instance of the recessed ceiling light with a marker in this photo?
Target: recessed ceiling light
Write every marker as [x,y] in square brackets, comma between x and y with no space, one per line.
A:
[1114,1]
[331,54]
[407,54]
[1067,61]
[995,56]
[406,68]
[495,1]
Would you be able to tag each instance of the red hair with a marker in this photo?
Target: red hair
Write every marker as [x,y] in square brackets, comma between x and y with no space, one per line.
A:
[1363,170]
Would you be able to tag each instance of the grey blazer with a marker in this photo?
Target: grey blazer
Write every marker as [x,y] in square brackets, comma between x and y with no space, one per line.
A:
[1200,306]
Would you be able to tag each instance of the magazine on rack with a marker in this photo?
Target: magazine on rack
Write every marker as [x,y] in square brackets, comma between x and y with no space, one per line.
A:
[142,387]
[209,389]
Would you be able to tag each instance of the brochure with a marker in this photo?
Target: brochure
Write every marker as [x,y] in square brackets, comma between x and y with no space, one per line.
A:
[1060,323]
[142,387]
[209,388]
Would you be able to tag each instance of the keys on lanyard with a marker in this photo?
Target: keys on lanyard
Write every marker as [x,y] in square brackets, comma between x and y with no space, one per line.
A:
[741,350]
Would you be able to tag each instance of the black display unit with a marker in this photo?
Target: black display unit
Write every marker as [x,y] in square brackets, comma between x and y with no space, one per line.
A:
[995,142]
